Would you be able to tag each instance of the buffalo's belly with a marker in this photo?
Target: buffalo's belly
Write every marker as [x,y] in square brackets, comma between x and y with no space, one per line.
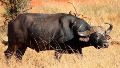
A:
[39,44]
[42,45]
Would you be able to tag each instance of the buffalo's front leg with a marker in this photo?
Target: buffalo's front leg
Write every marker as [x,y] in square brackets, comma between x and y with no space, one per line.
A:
[80,51]
[79,54]
[58,54]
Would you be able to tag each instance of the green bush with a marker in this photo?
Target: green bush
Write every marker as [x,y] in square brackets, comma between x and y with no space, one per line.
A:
[14,8]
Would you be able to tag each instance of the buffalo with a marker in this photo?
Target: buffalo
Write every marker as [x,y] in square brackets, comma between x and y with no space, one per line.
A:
[60,32]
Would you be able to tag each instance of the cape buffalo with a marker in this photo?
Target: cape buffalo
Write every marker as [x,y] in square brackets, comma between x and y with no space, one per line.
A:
[59,32]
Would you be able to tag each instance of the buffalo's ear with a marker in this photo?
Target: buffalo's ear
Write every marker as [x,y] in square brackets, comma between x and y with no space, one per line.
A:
[66,32]
[66,35]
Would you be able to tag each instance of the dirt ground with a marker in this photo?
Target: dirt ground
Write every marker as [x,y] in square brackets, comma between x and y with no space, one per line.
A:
[95,12]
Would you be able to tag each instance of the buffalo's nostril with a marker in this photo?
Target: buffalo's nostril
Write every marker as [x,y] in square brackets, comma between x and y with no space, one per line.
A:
[105,45]
[98,47]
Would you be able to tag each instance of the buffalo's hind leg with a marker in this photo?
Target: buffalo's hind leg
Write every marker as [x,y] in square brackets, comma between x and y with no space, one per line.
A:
[20,52]
[9,52]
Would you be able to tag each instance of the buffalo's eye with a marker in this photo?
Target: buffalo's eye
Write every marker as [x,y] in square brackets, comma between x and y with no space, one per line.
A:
[96,36]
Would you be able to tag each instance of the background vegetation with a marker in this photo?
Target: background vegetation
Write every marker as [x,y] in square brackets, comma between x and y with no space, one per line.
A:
[95,12]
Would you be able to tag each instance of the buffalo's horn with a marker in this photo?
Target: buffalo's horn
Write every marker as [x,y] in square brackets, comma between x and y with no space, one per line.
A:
[85,33]
[109,29]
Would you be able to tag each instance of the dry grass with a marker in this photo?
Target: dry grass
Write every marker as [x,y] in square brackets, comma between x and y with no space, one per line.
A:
[97,12]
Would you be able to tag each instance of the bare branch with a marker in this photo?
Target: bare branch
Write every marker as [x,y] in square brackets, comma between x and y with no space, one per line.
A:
[74,8]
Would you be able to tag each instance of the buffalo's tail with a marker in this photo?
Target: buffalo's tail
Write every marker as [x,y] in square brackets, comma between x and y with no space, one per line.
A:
[5,42]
